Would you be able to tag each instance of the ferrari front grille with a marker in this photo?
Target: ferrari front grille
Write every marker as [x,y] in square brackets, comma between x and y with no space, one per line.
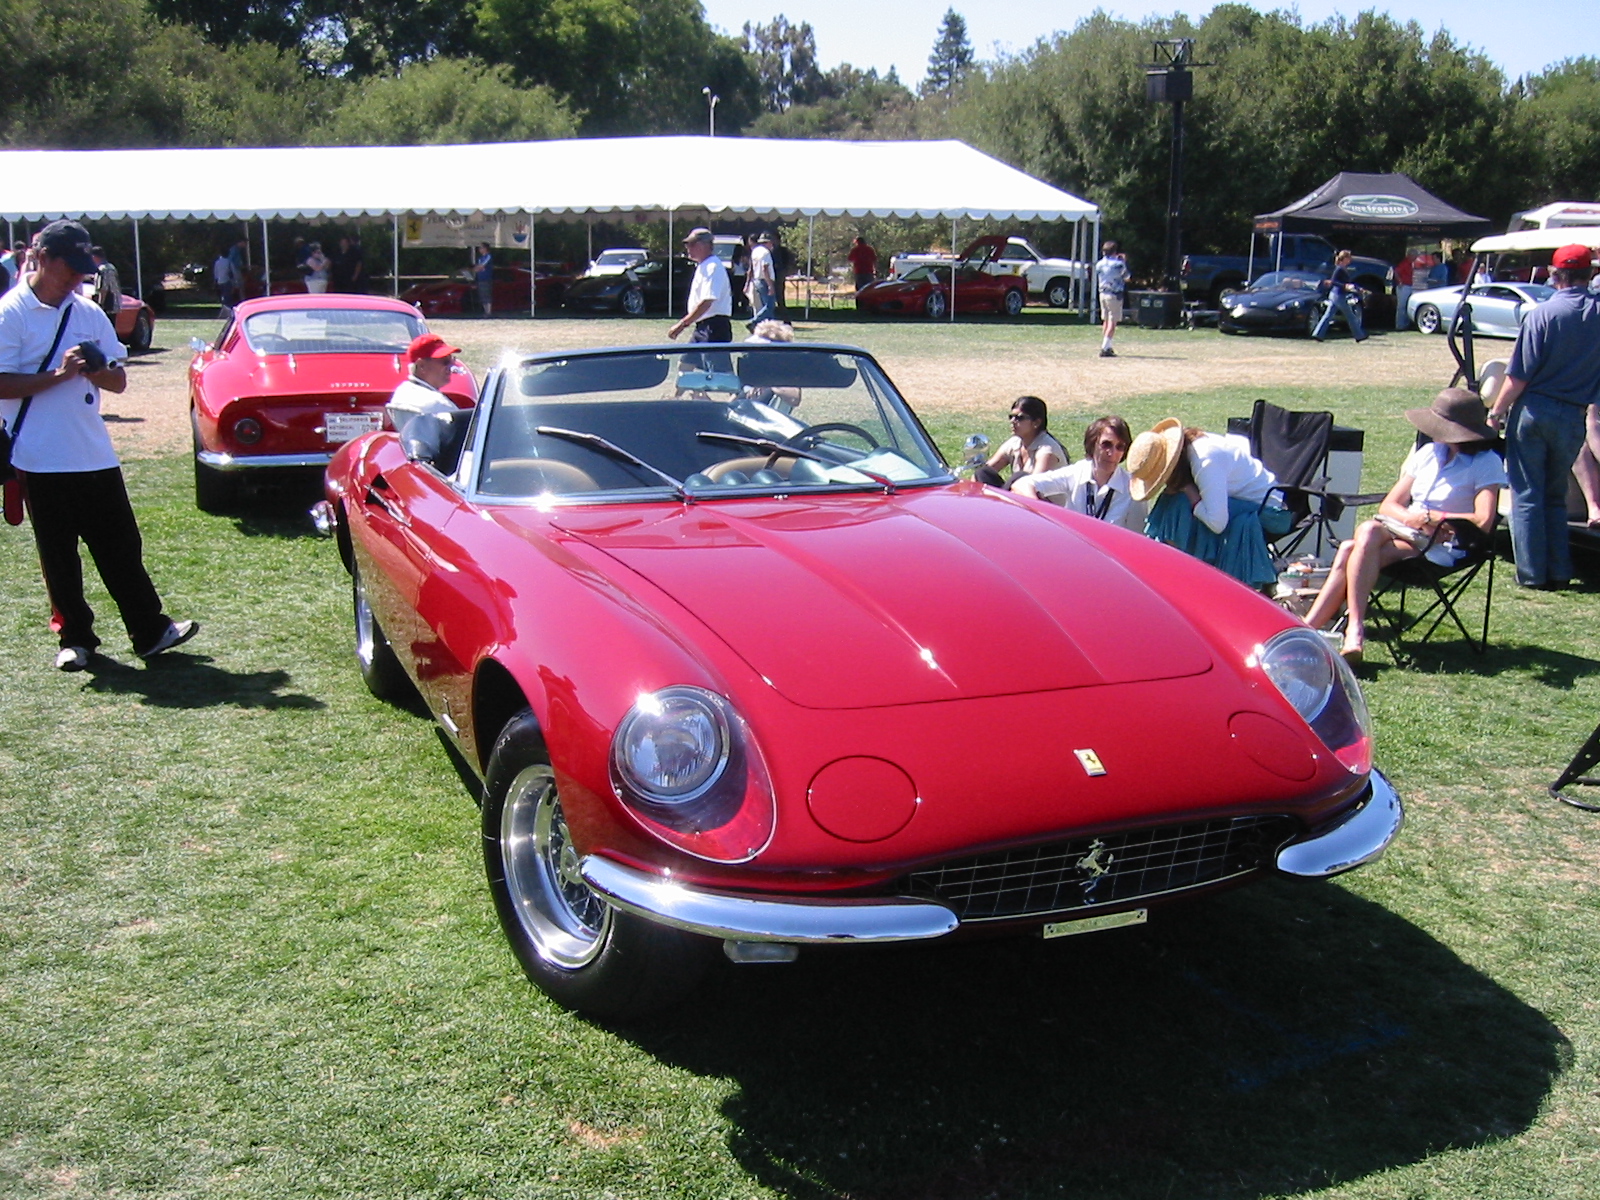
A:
[1110,868]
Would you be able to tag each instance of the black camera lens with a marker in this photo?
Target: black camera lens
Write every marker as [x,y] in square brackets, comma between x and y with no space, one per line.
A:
[93,359]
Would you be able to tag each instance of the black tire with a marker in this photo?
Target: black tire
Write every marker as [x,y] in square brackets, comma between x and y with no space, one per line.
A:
[577,949]
[375,657]
[1058,293]
[1014,303]
[1314,317]
[139,340]
[936,306]
[214,491]
[633,302]
[1429,319]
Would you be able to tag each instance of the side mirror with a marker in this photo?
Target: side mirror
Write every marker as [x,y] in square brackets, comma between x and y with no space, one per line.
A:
[976,452]
[199,345]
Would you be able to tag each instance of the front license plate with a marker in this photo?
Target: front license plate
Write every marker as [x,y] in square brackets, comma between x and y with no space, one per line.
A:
[1137,916]
[342,426]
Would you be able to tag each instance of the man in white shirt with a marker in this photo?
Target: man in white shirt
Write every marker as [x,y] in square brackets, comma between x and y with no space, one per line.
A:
[57,351]
[421,394]
[710,303]
[763,283]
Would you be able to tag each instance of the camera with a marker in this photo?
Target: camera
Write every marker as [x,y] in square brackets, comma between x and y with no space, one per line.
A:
[93,359]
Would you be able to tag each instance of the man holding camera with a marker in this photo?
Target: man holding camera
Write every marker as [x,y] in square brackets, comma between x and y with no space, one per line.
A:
[57,351]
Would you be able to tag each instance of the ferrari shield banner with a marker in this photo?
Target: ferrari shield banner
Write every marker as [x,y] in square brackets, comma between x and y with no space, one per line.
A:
[500,232]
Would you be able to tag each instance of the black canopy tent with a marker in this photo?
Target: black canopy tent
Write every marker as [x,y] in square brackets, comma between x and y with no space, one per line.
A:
[1352,202]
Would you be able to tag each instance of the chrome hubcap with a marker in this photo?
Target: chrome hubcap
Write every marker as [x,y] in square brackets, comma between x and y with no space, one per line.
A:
[365,637]
[565,921]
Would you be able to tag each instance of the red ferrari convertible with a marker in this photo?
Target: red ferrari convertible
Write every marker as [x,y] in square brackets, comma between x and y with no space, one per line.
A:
[925,291]
[718,629]
[451,297]
[291,378]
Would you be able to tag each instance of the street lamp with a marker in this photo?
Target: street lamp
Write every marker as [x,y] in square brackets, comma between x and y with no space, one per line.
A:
[711,105]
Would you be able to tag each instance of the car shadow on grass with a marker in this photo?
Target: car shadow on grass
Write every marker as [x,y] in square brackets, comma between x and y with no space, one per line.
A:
[1553,668]
[1273,1040]
[179,680]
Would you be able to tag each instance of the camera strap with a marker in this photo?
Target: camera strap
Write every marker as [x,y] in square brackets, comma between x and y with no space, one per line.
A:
[61,329]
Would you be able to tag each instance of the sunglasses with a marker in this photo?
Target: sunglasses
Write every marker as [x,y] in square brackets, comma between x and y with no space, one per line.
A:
[1119,447]
[1022,417]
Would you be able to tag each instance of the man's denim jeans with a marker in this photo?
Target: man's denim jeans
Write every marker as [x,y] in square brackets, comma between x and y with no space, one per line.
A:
[1543,438]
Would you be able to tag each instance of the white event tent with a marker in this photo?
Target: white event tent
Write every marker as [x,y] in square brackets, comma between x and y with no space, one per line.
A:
[645,178]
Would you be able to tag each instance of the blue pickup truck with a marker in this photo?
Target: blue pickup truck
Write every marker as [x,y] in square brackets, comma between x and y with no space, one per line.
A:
[1206,276]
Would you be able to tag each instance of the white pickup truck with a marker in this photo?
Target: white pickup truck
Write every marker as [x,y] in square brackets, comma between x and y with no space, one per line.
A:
[1048,278]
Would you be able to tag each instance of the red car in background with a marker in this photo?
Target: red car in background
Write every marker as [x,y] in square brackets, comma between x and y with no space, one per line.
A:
[292,378]
[135,324]
[452,297]
[925,291]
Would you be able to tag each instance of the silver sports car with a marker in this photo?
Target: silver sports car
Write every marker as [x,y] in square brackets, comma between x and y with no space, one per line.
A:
[1497,308]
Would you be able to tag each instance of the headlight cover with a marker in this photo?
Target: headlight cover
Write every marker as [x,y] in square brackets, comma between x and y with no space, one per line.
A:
[1322,689]
[683,760]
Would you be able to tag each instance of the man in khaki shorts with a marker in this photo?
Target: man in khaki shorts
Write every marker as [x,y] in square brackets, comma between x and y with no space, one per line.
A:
[1111,280]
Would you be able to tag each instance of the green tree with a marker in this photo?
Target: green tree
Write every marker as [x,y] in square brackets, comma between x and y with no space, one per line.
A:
[851,104]
[1557,113]
[444,101]
[785,61]
[952,58]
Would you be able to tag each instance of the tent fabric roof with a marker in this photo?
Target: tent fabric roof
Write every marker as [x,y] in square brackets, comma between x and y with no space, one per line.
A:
[1356,203]
[645,176]
[1539,240]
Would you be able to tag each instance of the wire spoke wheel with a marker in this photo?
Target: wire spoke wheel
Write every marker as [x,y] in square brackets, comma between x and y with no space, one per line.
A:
[565,921]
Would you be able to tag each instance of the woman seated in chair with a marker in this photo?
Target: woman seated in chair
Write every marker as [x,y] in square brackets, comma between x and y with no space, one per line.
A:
[1029,450]
[1096,485]
[1216,500]
[1452,479]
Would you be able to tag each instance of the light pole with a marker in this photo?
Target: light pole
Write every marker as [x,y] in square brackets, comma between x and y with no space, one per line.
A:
[711,106]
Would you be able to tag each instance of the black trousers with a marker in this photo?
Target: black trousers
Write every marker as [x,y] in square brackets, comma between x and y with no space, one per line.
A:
[710,331]
[67,507]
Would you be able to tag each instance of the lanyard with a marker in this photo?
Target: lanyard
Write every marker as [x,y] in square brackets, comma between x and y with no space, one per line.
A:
[1097,511]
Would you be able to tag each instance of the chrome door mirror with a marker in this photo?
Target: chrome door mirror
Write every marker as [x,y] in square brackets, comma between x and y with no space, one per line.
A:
[975,451]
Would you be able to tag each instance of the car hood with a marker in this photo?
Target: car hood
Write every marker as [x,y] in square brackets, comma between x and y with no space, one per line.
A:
[866,601]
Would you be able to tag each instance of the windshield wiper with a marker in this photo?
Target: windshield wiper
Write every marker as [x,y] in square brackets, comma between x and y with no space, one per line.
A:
[615,451]
[772,447]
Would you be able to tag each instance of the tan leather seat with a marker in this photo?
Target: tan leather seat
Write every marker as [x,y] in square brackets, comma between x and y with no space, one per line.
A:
[534,477]
[750,466]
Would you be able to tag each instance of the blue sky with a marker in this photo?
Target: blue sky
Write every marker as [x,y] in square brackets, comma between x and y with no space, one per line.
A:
[1522,36]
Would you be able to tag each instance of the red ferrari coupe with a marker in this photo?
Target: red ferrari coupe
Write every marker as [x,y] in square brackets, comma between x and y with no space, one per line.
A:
[451,297]
[925,291]
[291,378]
[718,628]
[135,324]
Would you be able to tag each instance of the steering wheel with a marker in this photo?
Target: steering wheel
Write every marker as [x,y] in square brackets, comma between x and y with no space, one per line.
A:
[813,433]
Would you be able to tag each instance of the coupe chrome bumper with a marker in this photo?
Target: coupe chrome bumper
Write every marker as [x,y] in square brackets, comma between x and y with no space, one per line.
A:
[219,461]
[1361,837]
[751,919]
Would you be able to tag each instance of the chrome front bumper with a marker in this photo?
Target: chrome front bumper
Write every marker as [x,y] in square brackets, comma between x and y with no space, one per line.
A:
[753,919]
[219,461]
[1361,837]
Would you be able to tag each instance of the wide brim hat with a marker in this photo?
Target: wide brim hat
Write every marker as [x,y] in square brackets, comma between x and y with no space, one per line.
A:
[1153,457]
[1455,416]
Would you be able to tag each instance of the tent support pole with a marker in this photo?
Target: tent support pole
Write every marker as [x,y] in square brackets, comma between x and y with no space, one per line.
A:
[138,262]
[811,272]
[1250,263]
[669,262]
[588,224]
[396,271]
[533,269]
[953,226]
[1092,285]
[266,262]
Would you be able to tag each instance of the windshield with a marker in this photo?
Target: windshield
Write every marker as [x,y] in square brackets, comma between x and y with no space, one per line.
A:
[740,420]
[331,331]
[619,258]
[1287,281]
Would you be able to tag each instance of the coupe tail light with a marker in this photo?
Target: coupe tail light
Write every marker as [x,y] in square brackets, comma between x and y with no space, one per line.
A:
[1322,689]
[247,431]
[685,763]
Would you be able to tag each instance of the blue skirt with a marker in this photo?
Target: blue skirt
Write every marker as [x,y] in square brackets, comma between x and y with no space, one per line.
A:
[1240,549]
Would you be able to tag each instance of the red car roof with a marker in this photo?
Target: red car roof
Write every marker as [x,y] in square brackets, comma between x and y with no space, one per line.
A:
[327,300]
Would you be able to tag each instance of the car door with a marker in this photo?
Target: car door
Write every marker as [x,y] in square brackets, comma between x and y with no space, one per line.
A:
[1019,259]
[1497,310]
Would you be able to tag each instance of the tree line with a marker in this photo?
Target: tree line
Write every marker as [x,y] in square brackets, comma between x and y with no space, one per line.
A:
[1282,105]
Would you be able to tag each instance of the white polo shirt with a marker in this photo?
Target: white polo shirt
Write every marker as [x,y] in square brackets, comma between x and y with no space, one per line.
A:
[711,282]
[63,431]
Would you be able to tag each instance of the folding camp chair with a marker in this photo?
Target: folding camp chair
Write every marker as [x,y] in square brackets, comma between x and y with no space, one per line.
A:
[1294,447]
[1443,588]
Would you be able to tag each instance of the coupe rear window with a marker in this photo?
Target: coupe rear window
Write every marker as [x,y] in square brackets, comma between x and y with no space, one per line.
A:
[331,331]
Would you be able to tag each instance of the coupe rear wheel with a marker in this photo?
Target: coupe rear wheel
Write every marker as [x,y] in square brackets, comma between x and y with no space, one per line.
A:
[214,490]
[1428,319]
[633,302]
[375,657]
[581,952]
[139,340]
[935,305]
[1013,303]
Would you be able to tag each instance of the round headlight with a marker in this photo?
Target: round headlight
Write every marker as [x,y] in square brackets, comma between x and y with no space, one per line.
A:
[673,745]
[247,430]
[1300,664]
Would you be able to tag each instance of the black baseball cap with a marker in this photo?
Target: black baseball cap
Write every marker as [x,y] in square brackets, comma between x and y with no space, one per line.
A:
[68,241]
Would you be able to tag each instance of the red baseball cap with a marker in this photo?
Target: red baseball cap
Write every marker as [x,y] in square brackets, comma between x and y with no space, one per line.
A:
[1574,257]
[429,345]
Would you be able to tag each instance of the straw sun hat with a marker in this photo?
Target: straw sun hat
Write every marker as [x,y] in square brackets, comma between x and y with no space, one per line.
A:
[1152,458]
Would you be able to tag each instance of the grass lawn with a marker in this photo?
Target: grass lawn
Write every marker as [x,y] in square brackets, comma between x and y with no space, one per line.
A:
[248,951]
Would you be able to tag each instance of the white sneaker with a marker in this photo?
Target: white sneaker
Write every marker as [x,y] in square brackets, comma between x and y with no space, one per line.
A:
[178,632]
[72,658]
